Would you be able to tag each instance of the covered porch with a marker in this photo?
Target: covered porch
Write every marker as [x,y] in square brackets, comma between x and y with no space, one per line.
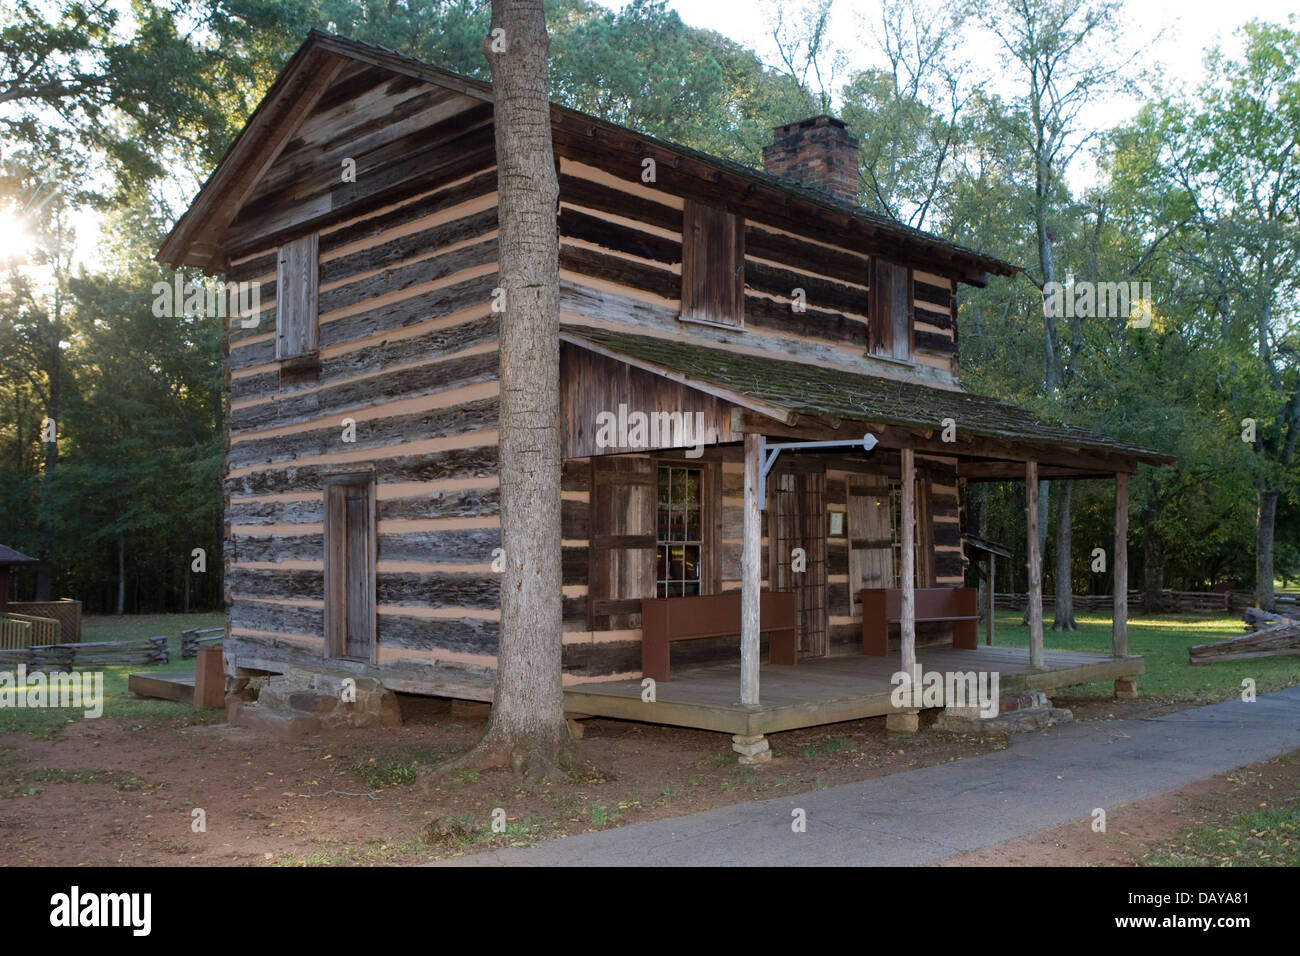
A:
[769,409]
[826,690]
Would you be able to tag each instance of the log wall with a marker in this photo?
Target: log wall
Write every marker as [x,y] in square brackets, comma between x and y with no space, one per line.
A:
[621,265]
[408,353]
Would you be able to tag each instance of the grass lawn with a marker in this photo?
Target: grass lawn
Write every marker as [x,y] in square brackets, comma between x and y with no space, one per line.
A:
[118,701]
[1265,834]
[1163,640]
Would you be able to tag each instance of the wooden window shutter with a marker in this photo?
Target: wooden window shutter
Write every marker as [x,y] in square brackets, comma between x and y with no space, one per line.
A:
[621,566]
[713,265]
[296,330]
[890,310]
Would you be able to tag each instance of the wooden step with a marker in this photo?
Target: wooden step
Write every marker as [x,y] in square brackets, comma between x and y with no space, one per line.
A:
[164,685]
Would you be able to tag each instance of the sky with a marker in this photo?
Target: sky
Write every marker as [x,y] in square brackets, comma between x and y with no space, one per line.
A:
[1189,26]
[1170,34]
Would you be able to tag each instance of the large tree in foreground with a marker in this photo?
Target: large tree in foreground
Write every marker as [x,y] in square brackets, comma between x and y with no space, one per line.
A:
[527,729]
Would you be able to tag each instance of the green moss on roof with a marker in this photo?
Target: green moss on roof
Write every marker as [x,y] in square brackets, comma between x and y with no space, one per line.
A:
[834,393]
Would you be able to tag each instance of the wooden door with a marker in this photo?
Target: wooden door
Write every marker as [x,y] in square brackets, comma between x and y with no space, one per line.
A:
[797,519]
[350,569]
[871,539]
[621,555]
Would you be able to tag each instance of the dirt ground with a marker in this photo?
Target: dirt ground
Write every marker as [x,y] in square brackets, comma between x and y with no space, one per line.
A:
[1147,827]
[124,792]
[112,791]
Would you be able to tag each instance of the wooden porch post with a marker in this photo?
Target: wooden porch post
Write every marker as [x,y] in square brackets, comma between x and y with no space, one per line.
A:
[1035,566]
[751,747]
[907,572]
[907,721]
[1125,687]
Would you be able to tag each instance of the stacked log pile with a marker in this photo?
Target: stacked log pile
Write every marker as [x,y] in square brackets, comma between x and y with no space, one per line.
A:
[1269,635]
[196,637]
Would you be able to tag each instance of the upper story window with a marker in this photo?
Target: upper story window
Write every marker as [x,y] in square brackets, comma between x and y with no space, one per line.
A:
[890,310]
[713,265]
[297,332]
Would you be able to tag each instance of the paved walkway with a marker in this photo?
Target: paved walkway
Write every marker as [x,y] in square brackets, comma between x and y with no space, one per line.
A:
[923,816]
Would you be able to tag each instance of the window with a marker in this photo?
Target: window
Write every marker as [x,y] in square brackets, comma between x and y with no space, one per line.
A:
[297,333]
[713,266]
[891,310]
[680,534]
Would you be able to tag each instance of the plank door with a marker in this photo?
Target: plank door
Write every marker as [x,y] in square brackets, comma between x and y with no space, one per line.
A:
[621,553]
[350,569]
[797,509]
[871,540]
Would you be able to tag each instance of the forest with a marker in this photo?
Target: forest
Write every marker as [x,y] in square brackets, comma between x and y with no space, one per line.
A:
[113,114]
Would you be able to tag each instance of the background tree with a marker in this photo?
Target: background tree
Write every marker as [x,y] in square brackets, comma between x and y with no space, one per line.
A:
[1234,153]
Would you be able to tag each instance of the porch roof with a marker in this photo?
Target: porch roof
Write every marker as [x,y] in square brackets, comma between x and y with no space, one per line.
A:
[798,394]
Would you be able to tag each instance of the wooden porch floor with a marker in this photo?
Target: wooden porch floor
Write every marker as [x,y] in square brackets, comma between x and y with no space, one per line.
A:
[825,690]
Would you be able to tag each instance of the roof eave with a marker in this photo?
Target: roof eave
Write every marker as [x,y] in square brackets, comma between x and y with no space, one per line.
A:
[183,246]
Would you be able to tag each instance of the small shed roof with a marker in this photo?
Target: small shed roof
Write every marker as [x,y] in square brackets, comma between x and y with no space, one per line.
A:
[9,557]
[989,547]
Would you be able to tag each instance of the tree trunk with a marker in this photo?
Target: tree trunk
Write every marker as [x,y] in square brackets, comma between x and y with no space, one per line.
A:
[527,729]
[1264,520]
[1064,620]
[1153,561]
[121,574]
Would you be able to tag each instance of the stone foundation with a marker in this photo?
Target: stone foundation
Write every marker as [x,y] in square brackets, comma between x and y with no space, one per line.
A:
[752,750]
[1025,711]
[1126,688]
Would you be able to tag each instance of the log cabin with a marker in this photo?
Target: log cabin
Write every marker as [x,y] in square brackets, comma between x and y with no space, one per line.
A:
[759,384]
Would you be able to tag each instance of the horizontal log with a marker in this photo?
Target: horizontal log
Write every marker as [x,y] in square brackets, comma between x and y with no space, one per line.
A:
[481,185]
[421,160]
[421,675]
[359,394]
[821,260]
[621,271]
[584,192]
[764,313]
[940,320]
[818,293]
[619,238]
[933,294]
[371,433]
[461,546]
[459,463]
[411,274]
[373,358]
[933,342]
[394,252]
[461,635]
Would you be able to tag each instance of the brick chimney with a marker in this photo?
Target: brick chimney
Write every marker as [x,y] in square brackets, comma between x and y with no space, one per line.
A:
[817,153]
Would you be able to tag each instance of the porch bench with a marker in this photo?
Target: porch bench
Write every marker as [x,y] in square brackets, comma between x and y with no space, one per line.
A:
[883,606]
[664,620]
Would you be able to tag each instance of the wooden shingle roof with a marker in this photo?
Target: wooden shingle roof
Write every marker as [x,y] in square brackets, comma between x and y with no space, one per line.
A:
[196,237]
[788,391]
